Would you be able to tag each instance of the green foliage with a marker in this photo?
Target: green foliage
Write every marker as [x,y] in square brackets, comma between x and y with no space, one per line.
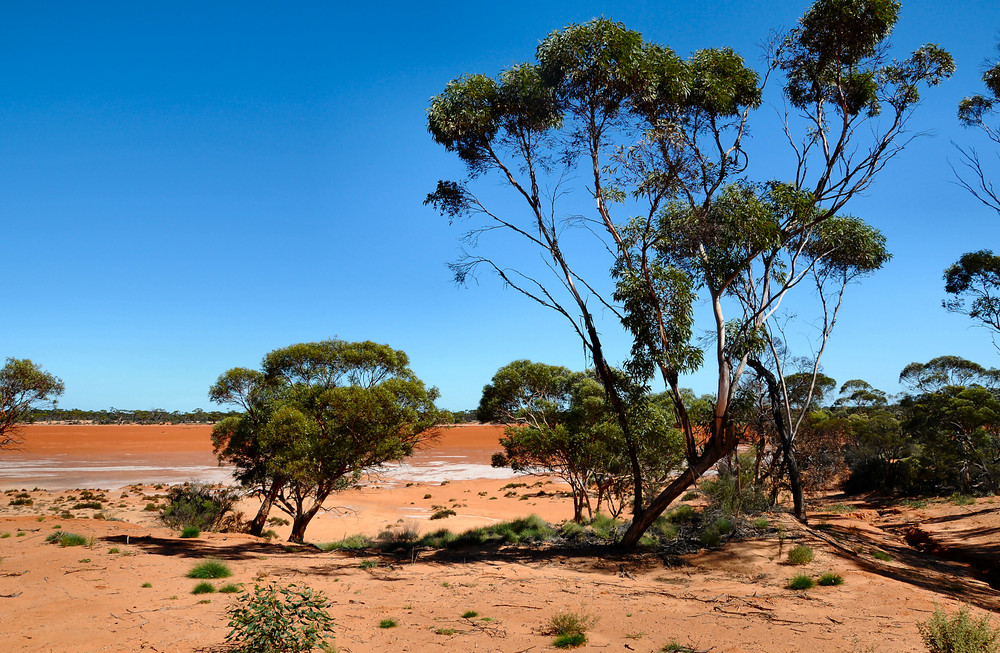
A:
[443,514]
[66,539]
[736,494]
[830,579]
[316,417]
[801,582]
[676,647]
[388,623]
[190,531]
[681,514]
[605,526]
[369,563]
[349,543]
[279,619]
[199,506]
[962,499]
[881,555]
[570,628]
[20,501]
[470,614]
[210,569]
[231,588]
[710,537]
[88,505]
[959,633]
[800,555]
[23,386]
[203,588]
[761,523]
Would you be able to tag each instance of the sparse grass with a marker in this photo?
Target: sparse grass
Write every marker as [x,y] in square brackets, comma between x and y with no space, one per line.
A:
[959,633]
[914,503]
[800,555]
[470,614]
[147,585]
[761,523]
[349,543]
[388,623]
[190,531]
[66,539]
[681,514]
[801,582]
[368,563]
[675,647]
[881,555]
[512,486]
[84,560]
[203,588]
[4,536]
[962,499]
[231,588]
[445,631]
[710,537]
[210,569]
[605,526]
[570,628]
[723,525]
[21,533]
[840,508]
[830,579]
[689,496]
[113,550]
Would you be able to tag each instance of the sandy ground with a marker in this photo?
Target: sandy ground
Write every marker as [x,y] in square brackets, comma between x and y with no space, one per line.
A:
[94,597]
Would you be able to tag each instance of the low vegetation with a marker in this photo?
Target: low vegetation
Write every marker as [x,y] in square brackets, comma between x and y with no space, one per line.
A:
[570,628]
[210,569]
[959,633]
[279,619]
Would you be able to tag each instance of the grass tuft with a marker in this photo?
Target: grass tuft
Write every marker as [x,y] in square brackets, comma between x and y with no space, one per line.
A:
[801,582]
[203,588]
[830,579]
[388,623]
[210,569]
[800,555]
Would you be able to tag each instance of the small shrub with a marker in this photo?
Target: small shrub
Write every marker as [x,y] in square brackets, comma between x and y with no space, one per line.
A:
[427,496]
[275,619]
[21,533]
[388,623]
[710,537]
[370,563]
[66,539]
[203,588]
[231,588]
[915,503]
[958,634]
[88,505]
[443,514]
[199,505]
[147,585]
[800,555]
[150,507]
[470,614]
[881,555]
[277,521]
[723,525]
[445,631]
[681,514]
[5,536]
[689,496]
[190,531]
[801,582]
[114,550]
[665,529]
[830,579]
[570,628]
[761,523]
[21,502]
[210,569]
[605,526]
[675,647]
[962,499]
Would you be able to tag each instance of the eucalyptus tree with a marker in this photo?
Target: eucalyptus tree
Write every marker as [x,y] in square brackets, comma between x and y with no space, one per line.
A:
[659,140]
[316,417]
[24,386]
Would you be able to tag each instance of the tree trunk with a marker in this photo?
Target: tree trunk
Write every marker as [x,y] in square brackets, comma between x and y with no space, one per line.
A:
[787,450]
[302,520]
[260,520]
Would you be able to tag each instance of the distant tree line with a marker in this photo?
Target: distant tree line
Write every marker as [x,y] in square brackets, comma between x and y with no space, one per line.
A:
[123,416]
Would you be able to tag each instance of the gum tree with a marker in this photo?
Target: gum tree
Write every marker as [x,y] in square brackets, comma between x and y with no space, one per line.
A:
[23,387]
[316,417]
[659,140]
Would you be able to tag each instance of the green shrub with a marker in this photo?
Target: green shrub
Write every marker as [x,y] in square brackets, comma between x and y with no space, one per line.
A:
[349,543]
[527,529]
[277,619]
[370,563]
[960,499]
[231,588]
[570,628]
[689,496]
[710,537]
[88,505]
[665,529]
[147,585]
[829,579]
[723,525]
[21,501]
[201,506]
[681,514]
[800,555]
[761,523]
[958,634]
[190,531]
[675,647]
[470,614]
[388,623]
[801,582]
[735,495]
[66,539]
[443,514]
[881,555]
[605,526]
[210,569]
[203,588]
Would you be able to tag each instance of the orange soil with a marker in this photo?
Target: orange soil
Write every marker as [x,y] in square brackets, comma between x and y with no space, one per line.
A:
[734,599]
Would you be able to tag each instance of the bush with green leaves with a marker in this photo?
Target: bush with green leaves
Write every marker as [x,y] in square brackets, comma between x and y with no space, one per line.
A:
[830,579]
[733,491]
[201,506]
[959,633]
[66,539]
[279,619]
[801,582]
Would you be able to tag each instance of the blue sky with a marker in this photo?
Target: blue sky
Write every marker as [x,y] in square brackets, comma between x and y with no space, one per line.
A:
[183,189]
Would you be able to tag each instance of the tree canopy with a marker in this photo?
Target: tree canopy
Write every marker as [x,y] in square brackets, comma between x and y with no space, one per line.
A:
[316,417]
[24,386]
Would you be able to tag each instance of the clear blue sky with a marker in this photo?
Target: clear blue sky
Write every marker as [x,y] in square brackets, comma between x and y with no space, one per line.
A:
[187,186]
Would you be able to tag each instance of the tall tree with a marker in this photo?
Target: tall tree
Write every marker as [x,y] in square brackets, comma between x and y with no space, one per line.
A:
[24,386]
[660,138]
[317,417]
